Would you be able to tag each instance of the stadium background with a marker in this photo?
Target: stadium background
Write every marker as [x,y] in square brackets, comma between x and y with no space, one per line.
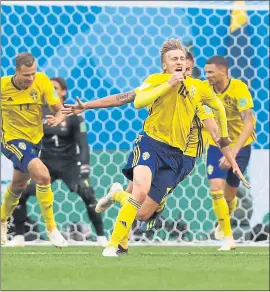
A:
[103,50]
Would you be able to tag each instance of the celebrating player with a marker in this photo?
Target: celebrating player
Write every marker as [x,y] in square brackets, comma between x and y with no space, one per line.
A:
[59,154]
[23,96]
[157,163]
[238,103]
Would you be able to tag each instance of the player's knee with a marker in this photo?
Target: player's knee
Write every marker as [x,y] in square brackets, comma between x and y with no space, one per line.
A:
[43,178]
[18,186]
[139,195]
[216,185]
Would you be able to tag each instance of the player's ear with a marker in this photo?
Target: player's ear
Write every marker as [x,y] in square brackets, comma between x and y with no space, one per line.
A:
[164,67]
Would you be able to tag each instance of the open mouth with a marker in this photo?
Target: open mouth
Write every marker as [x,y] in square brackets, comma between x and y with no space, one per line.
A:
[179,69]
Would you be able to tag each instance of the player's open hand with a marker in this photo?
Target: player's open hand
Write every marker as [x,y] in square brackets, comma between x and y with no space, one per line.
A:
[53,121]
[236,170]
[74,109]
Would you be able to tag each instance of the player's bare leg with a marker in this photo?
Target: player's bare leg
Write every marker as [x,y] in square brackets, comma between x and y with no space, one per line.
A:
[40,174]
[11,199]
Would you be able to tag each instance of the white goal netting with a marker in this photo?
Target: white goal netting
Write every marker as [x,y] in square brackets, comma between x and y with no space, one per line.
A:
[107,49]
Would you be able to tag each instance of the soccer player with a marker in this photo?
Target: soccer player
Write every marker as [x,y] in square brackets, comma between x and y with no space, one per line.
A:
[157,163]
[238,103]
[60,155]
[23,96]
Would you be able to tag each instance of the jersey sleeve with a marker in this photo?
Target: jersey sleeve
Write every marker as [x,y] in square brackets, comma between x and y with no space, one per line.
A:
[210,99]
[204,112]
[243,99]
[50,95]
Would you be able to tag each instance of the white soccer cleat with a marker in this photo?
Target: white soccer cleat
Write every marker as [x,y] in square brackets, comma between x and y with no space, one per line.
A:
[4,228]
[18,241]
[56,238]
[105,202]
[229,244]
[110,252]
[102,241]
[219,234]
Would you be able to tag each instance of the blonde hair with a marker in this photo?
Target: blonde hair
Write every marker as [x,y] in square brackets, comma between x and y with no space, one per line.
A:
[170,45]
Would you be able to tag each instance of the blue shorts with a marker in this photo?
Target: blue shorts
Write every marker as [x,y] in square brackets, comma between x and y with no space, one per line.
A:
[214,171]
[20,152]
[168,165]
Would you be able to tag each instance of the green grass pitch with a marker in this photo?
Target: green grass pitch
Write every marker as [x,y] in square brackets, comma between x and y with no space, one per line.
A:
[145,268]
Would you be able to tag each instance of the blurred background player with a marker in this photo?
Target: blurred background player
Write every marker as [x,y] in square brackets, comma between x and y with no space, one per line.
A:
[22,98]
[65,152]
[238,103]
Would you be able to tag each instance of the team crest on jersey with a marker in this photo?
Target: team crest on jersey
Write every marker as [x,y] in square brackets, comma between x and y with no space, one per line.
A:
[210,169]
[145,155]
[34,94]
[22,146]
[192,91]
[227,100]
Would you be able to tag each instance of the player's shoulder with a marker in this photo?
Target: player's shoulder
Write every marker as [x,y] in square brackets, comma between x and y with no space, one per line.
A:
[236,83]
[5,80]
[157,78]
[40,76]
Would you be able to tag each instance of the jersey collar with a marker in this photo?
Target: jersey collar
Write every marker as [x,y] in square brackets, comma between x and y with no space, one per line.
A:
[224,88]
[13,83]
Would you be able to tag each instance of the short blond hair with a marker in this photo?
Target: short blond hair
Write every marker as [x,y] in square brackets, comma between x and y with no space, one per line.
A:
[170,45]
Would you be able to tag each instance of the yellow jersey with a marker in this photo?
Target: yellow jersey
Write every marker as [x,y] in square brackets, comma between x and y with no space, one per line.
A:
[21,109]
[236,98]
[171,115]
[199,136]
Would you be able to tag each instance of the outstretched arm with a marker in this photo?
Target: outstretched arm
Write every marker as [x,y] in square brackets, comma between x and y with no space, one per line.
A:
[108,101]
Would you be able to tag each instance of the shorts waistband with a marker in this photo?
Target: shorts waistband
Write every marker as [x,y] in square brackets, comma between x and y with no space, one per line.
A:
[161,145]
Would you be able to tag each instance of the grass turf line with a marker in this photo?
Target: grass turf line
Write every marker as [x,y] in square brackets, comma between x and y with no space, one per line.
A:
[145,268]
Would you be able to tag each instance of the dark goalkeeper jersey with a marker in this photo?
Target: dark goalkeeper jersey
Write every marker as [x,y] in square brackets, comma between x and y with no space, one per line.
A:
[65,141]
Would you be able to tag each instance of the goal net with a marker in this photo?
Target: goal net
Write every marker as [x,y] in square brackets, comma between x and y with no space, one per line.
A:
[106,48]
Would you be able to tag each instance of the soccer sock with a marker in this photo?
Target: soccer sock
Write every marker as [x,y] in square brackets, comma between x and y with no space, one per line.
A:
[10,201]
[124,221]
[221,211]
[232,205]
[161,206]
[121,197]
[45,200]
[124,242]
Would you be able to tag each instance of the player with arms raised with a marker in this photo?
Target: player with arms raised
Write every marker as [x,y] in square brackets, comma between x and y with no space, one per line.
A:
[23,96]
